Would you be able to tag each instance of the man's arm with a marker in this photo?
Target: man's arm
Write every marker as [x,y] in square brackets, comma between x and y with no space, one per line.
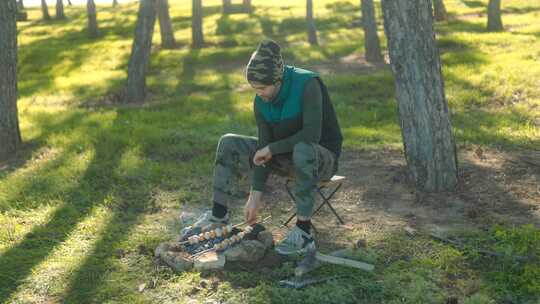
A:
[260,173]
[264,130]
[312,120]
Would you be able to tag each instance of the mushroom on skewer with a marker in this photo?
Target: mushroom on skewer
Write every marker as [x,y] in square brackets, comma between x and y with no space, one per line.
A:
[208,235]
[226,243]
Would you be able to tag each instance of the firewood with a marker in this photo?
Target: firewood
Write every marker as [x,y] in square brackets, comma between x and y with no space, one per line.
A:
[343,261]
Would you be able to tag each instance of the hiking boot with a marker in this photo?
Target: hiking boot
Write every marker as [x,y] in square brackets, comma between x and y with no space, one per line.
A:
[205,219]
[297,242]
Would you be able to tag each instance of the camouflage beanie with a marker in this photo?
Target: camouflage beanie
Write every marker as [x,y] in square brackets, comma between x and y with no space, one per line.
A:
[266,64]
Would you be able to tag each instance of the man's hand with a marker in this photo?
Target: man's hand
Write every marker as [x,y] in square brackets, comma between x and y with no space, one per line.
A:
[251,209]
[262,156]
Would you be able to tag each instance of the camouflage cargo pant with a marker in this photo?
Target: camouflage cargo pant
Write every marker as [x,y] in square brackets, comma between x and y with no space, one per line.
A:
[308,163]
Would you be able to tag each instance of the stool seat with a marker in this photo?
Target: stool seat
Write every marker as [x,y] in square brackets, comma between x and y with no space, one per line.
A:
[333,180]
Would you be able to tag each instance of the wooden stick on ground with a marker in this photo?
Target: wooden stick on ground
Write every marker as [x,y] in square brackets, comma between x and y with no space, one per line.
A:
[314,260]
[345,262]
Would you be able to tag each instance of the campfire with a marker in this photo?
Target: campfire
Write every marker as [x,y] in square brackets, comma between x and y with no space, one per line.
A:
[211,246]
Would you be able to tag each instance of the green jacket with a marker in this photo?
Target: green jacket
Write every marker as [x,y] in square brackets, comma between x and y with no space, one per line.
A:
[301,112]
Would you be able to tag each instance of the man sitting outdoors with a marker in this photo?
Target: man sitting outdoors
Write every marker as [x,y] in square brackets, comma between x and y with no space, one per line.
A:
[298,134]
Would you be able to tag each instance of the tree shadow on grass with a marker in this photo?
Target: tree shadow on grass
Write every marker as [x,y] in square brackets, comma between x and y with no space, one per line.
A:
[46,54]
[227,26]
[93,187]
[268,26]
[212,10]
[456,24]
[132,195]
[473,3]
[343,7]
[69,51]
[102,184]
[39,187]
[520,10]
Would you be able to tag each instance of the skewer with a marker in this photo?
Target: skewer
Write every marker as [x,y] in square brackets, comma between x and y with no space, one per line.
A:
[202,252]
[217,232]
[264,220]
[194,239]
[226,242]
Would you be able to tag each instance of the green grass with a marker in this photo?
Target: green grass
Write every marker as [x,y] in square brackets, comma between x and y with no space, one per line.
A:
[98,185]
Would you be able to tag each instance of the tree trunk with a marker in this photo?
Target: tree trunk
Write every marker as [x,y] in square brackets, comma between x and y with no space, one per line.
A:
[60,10]
[114,3]
[494,23]
[10,135]
[439,10]
[45,10]
[247,6]
[21,14]
[196,24]
[428,141]
[373,45]
[227,6]
[92,19]
[140,52]
[312,31]
[167,34]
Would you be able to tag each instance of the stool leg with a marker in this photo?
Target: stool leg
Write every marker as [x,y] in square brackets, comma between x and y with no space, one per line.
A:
[289,220]
[292,198]
[325,198]
[314,229]
[326,201]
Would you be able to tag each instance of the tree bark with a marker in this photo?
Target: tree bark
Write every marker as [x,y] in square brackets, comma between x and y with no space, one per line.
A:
[140,52]
[45,10]
[114,3]
[92,19]
[494,23]
[227,6]
[439,10]
[167,34]
[247,6]
[10,135]
[428,141]
[21,14]
[312,31]
[371,39]
[60,10]
[196,24]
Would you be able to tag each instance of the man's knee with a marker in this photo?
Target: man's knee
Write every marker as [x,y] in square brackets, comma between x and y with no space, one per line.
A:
[303,154]
[227,141]
[227,138]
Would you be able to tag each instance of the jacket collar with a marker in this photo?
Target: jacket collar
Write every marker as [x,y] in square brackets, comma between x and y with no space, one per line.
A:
[285,88]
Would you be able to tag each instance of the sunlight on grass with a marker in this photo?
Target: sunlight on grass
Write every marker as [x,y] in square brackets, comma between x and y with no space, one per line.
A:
[51,276]
[119,175]
[16,224]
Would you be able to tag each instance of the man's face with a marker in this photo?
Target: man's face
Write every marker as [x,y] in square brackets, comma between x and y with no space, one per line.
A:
[265,91]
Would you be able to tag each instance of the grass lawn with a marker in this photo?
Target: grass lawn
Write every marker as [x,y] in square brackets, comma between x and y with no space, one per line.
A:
[98,185]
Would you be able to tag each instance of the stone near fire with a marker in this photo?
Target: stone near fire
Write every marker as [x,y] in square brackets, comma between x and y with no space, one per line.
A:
[246,251]
[266,238]
[209,261]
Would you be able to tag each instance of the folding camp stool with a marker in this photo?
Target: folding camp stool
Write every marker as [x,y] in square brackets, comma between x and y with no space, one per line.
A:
[336,180]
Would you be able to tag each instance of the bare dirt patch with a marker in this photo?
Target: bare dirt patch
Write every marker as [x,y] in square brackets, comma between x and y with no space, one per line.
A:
[495,187]
[376,198]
